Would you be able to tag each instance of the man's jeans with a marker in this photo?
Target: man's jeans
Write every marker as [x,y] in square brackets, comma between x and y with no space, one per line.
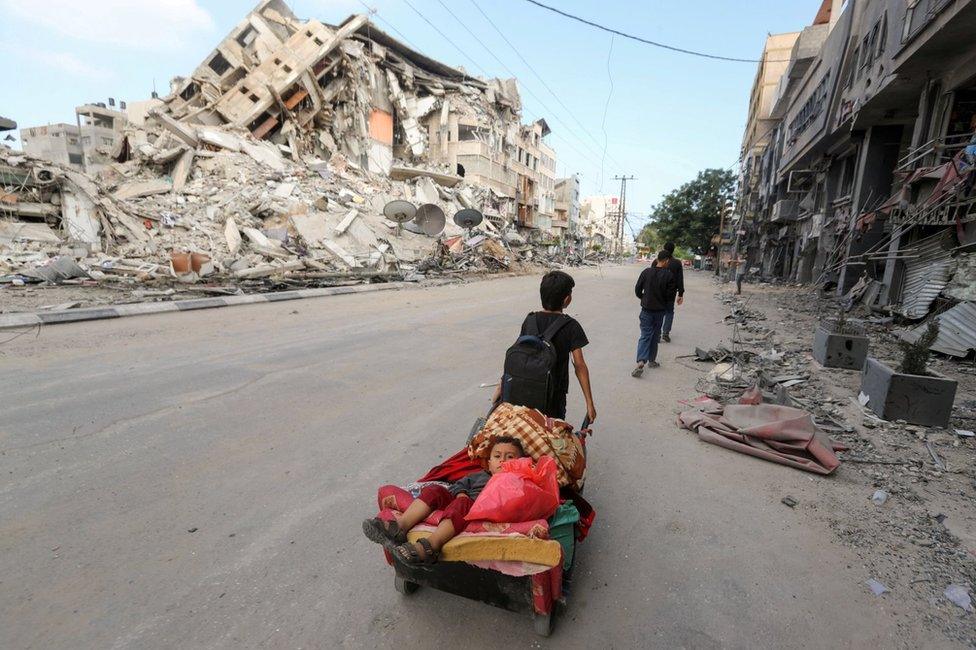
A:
[668,319]
[650,334]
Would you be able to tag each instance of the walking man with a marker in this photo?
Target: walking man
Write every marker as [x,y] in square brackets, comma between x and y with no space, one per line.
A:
[677,270]
[656,289]
[741,265]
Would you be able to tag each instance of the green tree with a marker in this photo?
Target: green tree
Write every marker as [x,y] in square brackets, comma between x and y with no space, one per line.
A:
[689,216]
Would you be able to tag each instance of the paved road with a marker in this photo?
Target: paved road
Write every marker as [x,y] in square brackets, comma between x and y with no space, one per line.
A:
[266,429]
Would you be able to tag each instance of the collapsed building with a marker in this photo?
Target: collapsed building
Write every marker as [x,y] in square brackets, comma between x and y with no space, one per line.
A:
[276,158]
[859,161]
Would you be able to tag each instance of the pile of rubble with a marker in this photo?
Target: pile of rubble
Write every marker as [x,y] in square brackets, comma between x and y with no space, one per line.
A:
[903,498]
[271,165]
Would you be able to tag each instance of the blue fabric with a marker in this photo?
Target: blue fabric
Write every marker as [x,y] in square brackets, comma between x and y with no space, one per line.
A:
[668,319]
[650,328]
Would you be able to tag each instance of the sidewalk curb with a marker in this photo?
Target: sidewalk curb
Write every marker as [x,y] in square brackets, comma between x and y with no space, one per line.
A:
[30,319]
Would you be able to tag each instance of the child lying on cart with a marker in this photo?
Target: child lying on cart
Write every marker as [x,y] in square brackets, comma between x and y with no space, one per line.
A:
[455,501]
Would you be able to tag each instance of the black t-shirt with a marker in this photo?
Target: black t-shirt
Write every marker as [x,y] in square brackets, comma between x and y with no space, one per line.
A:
[569,337]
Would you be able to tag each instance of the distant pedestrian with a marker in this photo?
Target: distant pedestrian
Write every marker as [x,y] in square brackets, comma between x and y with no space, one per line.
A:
[678,271]
[656,289]
[741,266]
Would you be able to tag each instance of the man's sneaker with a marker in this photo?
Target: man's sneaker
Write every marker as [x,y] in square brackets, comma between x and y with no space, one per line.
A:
[666,337]
[653,364]
[637,372]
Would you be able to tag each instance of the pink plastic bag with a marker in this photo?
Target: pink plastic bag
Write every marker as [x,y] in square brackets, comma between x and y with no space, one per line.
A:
[519,492]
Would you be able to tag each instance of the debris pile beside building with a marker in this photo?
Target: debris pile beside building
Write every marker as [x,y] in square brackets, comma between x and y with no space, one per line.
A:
[277,158]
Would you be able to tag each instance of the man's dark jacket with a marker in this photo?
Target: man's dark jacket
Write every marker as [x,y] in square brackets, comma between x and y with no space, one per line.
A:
[656,288]
[678,271]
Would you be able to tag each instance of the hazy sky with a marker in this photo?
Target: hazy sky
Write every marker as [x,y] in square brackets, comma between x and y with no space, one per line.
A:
[668,114]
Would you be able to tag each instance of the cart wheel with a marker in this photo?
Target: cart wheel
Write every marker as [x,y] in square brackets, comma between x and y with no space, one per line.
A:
[404,586]
[542,624]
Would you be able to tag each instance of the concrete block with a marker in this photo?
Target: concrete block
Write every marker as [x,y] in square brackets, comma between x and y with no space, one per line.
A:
[918,399]
[839,350]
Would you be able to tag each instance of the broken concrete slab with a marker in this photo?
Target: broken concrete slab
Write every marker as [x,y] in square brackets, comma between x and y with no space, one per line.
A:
[346,221]
[138,189]
[219,138]
[341,254]
[311,227]
[181,171]
[402,173]
[233,236]
[12,231]
[78,218]
[183,131]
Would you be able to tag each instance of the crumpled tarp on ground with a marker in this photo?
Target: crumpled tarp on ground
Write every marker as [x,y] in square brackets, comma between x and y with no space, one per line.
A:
[781,434]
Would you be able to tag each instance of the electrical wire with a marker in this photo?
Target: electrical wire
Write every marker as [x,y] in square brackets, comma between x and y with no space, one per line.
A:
[606,107]
[527,89]
[645,40]
[445,36]
[539,77]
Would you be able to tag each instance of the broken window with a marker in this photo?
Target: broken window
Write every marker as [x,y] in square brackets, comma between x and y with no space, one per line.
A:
[189,92]
[318,41]
[219,64]
[247,37]
[466,133]
[75,159]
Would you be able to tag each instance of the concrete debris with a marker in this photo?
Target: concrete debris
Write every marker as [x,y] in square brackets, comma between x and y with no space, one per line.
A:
[959,595]
[275,158]
[876,587]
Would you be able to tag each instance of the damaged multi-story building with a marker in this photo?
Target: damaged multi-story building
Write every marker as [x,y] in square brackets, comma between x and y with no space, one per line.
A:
[863,175]
[319,89]
[86,145]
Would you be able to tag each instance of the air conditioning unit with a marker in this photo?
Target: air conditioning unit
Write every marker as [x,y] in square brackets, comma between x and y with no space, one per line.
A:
[785,210]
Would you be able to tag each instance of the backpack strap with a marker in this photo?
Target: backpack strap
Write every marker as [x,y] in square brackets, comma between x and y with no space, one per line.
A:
[531,325]
[553,329]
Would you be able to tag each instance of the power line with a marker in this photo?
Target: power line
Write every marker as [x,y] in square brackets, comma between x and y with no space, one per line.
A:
[644,40]
[606,107]
[538,76]
[509,70]
[445,37]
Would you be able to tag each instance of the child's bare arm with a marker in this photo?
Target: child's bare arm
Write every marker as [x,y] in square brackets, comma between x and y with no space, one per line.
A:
[583,375]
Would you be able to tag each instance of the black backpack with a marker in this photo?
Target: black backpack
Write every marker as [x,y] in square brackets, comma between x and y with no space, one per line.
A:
[528,366]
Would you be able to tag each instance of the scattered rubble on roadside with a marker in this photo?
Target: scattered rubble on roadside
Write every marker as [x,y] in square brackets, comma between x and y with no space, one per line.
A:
[902,498]
[217,190]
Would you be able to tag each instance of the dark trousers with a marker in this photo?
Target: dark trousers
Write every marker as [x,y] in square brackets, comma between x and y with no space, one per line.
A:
[668,319]
[650,334]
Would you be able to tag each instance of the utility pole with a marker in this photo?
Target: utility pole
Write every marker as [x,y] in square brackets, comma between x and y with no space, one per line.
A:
[622,211]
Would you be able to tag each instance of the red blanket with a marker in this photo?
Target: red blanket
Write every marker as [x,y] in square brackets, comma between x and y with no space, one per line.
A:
[781,434]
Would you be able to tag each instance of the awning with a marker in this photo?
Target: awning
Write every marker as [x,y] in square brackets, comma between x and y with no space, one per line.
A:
[957,331]
[927,274]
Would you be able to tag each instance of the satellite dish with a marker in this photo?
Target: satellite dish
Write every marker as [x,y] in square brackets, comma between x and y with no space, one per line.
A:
[399,211]
[468,218]
[430,219]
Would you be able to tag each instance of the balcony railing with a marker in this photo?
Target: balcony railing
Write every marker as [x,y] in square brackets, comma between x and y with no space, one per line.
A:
[934,152]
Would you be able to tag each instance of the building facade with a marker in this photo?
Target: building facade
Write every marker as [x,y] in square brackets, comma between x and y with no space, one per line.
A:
[567,215]
[86,145]
[598,222]
[865,180]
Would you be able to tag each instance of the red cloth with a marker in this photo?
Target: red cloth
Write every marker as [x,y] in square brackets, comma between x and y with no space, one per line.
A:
[781,434]
[443,504]
[453,469]
[454,507]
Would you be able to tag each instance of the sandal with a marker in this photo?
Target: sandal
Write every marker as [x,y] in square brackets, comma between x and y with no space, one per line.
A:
[380,531]
[408,552]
